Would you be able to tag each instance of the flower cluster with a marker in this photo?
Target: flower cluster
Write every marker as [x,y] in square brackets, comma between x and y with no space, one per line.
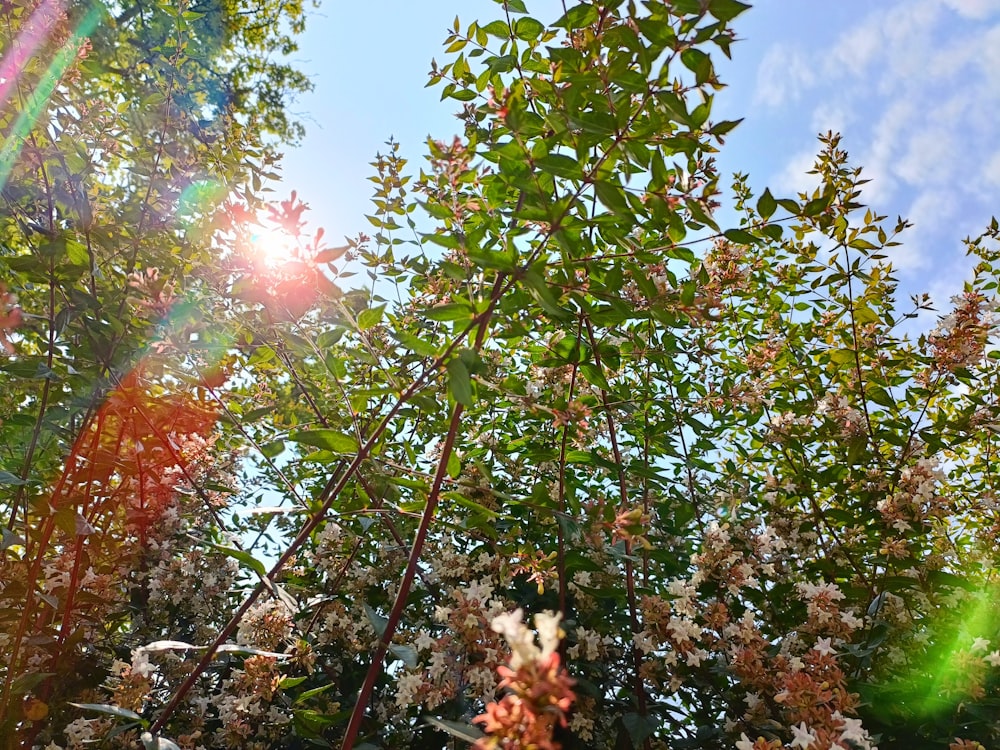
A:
[539,691]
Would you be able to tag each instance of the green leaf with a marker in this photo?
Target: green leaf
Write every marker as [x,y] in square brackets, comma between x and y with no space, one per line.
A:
[328,439]
[741,237]
[639,727]
[454,465]
[450,311]
[106,708]
[815,206]
[593,375]
[459,383]
[726,10]
[498,29]
[313,693]
[406,654]
[578,16]
[378,622]
[515,6]
[7,477]
[9,539]
[466,732]
[612,196]
[560,165]
[543,295]
[415,344]
[371,317]
[528,29]
[287,683]
[149,742]
[241,556]
[698,63]
[766,205]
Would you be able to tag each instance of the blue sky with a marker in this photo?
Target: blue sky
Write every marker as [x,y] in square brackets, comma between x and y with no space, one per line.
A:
[913,85]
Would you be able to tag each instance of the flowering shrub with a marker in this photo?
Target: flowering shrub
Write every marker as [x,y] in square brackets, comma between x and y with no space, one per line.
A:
[248,506]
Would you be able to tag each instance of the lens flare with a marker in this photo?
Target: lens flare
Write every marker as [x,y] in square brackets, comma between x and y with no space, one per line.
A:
[40,96]
[35,31]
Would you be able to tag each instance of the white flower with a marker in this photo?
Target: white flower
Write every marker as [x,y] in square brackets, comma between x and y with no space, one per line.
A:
[140,663]
[824,647]
[423,641]
[810,591]
[479,590]
[981,644]
[521,640]
[993,658]
[549,632]
[802,736]
[744,743]
[851,621]
[852,731]
[407,689]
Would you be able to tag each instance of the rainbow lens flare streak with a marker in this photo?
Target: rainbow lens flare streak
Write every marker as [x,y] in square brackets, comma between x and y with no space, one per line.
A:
[40,96]
[39,26]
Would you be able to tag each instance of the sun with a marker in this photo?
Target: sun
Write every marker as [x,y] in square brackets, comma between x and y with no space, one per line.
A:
[272,245]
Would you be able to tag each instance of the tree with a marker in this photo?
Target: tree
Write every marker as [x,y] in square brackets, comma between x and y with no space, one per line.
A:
[123,130]
[742,507]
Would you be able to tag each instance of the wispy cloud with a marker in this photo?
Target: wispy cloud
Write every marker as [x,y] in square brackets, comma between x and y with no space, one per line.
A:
[783,74]
[914,87]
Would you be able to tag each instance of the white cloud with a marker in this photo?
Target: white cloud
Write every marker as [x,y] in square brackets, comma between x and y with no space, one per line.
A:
[856,49]
[793,178]
[832,115]
[977,9]
[783,74]
[991,169]
[930,156]
[883,149]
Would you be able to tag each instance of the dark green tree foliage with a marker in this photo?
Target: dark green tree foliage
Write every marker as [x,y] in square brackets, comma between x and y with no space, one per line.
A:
[124,128]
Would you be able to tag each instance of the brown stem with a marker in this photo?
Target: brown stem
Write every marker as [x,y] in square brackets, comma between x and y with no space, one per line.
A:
[396,614]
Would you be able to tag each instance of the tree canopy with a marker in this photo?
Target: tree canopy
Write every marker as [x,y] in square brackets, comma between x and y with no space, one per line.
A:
[577,466]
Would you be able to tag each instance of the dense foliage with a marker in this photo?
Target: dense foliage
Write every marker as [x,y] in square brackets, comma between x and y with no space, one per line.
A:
[247,503]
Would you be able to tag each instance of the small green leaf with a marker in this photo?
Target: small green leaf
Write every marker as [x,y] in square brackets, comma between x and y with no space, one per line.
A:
[242,556]
[815,206]
[7,477]
[371,317]
[149,742]
[726,10]
[612,196]
[9,539]
[331,440]
[578,16]
[454,465]
[498,29]
[740,237]
[560,165]
[766,205]
[106,708]
[313,693]
[406,654]
[459,383]
[698,63]
[466,732]
[450,311]
[415,344]
[528,29]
